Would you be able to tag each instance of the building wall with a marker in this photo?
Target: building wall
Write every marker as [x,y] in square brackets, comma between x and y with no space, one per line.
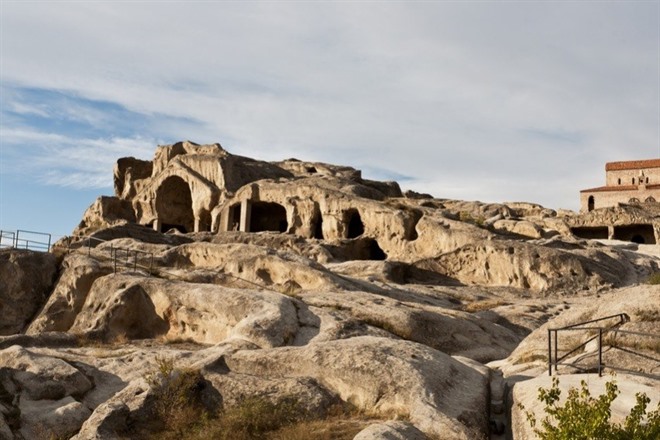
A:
[625,177]
[605,199]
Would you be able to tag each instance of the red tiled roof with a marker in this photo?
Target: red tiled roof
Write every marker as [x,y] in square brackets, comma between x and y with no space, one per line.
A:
[612,188]
[632,165]
[619,188]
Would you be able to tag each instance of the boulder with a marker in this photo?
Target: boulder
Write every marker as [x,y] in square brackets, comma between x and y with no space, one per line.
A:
[26,279]
[391,430]
[440,395]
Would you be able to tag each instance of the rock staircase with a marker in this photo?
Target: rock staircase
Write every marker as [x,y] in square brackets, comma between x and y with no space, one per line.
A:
[499,410]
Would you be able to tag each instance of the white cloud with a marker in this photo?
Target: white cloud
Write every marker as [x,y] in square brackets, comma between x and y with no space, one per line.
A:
[70,162]
[476,99]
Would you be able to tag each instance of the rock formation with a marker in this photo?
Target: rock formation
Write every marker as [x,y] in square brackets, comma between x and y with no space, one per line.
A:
[301,281]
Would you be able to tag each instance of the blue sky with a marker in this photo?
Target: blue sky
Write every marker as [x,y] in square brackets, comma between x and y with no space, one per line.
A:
[491,101]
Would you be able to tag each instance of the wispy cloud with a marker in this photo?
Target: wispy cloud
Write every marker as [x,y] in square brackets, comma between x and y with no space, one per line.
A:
[70,162]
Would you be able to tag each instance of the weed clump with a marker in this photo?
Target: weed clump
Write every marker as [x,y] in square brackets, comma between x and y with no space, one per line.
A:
[654,278]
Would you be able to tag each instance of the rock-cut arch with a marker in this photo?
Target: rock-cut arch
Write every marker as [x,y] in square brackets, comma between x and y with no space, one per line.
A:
[174,205]
[268,216]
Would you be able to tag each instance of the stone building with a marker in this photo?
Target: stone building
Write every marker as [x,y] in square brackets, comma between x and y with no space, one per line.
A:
[630,182]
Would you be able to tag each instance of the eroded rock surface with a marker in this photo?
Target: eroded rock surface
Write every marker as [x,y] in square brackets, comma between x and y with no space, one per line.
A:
[303,281]
[26,279]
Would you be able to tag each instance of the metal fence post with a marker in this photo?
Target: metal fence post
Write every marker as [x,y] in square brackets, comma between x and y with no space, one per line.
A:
[600,351]
[549,352]
[556,338]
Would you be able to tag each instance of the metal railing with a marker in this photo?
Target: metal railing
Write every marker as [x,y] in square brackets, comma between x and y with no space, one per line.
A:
[121,258]
[132,259]
[623,318]
[23,239]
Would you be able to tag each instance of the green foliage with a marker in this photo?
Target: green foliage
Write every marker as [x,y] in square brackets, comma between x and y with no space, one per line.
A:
[654,278]
[466,216]
[584,417]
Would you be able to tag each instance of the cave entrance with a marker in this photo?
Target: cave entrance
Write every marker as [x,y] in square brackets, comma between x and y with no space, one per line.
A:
[317,222]
[640,233]
[174,205]
[354,222]
[375,251]
[266,216]
[591,232]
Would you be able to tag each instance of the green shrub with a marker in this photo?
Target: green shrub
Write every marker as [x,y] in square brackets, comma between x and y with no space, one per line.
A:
[654,278]
[583,417]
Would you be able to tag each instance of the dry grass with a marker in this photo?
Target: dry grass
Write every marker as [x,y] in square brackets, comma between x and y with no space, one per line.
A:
[329,429]
[531,357]
[646,315]
[479,306]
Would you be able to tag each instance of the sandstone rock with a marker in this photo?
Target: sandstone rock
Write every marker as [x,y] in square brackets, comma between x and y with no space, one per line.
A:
[43,377]
[523,228]
[105,212]
[78,274]
[47,419]
[139,307]
[111,419]
[5,431]
[26,279]
[450,331]
[538,268]
[391,430]
[386,376]
[129,176]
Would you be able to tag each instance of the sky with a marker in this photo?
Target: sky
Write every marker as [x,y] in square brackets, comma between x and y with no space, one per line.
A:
[473,100]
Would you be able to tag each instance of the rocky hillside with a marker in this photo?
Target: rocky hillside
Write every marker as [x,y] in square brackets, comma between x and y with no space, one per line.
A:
[216,296]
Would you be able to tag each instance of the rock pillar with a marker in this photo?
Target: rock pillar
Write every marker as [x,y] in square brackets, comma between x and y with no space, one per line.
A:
[246,214]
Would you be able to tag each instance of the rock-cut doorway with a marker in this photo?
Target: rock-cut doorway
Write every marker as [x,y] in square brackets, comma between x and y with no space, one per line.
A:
[174,205]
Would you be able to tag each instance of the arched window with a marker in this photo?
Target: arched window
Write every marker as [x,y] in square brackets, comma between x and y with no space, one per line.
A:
[591,203]
[633,180]
[650,199]
[619,180]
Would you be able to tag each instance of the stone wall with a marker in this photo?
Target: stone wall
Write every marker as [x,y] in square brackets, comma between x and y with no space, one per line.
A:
[612,197]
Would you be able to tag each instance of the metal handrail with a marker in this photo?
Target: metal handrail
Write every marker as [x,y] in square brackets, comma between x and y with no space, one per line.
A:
[25,243]
[623,318]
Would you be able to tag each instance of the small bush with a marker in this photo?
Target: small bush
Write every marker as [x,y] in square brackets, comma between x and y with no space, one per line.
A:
[583,417]
[654,278]
[467,217]
[177,405]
